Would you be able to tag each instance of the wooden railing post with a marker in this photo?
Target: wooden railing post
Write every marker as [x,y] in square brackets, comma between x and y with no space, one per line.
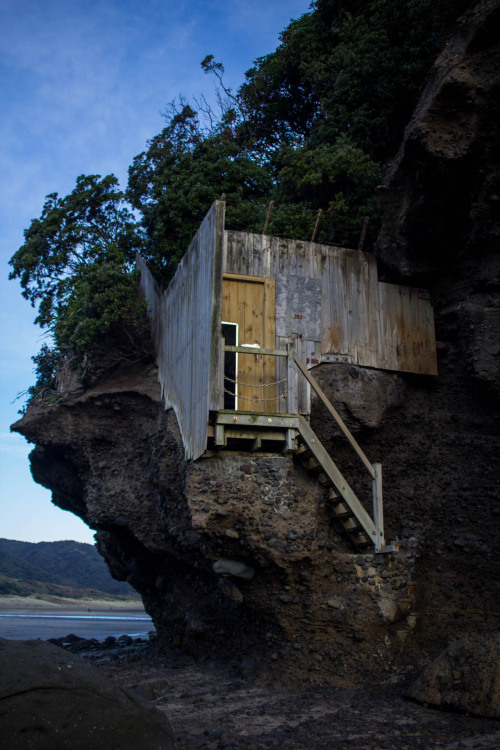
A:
[314,384]
[378,507]
[375,470]
[291,374]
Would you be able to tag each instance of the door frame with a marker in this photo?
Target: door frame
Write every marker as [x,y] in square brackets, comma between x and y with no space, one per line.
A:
[268,327]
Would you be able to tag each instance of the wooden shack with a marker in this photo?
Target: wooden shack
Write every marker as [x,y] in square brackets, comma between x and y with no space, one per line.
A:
[260,292]
[246,317]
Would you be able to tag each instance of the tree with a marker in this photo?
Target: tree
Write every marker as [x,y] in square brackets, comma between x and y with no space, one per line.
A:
[310,128]
[351,67]
[76,265]
[186,167]
[90,227]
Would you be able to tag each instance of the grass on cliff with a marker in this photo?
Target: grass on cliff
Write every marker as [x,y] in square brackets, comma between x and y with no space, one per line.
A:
[12,587]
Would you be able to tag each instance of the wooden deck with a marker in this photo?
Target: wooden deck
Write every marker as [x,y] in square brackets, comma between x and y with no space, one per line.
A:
[248,431]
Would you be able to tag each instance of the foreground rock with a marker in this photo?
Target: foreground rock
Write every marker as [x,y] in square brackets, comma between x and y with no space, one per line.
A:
[50,699]
[465,677]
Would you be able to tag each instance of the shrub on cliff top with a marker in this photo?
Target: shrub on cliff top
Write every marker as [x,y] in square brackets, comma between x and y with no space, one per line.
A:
[76,266]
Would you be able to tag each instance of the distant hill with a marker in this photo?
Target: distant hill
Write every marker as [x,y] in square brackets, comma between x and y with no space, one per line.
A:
[43,567]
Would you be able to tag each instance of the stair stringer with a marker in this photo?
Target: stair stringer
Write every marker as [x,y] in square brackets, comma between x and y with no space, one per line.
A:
[348,496]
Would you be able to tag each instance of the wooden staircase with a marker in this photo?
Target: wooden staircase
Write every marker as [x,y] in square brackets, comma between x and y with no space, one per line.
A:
[348,513]
[295,434]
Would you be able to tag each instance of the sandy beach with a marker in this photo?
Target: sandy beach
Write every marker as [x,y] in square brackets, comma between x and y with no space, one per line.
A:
[28,604]
[23,618]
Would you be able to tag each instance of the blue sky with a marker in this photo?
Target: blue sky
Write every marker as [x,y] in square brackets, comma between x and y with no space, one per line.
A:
[82,87]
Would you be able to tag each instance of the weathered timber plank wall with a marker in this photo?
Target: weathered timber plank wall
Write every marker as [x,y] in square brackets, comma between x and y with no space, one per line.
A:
[407,329]
[330,299]
[329,303]
[186,331]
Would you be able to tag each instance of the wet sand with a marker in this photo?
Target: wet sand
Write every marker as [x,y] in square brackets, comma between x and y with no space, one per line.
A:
[239,707]
[23,618]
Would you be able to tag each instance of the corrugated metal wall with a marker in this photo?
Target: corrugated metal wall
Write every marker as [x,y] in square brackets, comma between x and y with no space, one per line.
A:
[185,326]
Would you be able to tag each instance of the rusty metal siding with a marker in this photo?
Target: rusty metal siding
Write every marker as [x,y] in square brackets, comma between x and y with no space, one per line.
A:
[185,325]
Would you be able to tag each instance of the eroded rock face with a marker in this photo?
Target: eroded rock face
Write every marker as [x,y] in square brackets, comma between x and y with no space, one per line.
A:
[51,699]
[238,553]
[441,199]
[362,396]
[182,533]
[440,205]
[464,677]
[231,552]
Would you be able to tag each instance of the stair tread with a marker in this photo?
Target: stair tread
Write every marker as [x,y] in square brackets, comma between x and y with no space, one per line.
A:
[353,529]
[337,500]
[349,516]
[303,449]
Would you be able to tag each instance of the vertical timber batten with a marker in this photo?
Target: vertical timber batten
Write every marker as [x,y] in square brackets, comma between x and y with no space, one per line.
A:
[216,394]
[329,304]
[329,299]
[185,321]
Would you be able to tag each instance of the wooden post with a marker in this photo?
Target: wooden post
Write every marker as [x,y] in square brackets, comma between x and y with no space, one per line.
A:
[316,225]
[268,217]
[220,434]
[291,374]
[303,369]
[378,508]
[363,233]
[222,372]
[290,440]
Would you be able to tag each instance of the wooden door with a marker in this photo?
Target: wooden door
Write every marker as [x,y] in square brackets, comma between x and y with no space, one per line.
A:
[249,302]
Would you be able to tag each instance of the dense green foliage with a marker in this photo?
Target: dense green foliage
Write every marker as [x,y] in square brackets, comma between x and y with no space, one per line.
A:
[184,170]
[76,265]
[310,128]
[351,67]
[60,266]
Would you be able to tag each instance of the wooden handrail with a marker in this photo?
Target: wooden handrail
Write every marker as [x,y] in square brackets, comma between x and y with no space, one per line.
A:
[314,384]
[332,471]
[256,350]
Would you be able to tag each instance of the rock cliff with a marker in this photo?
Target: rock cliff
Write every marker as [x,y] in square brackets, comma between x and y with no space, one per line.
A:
[238,553]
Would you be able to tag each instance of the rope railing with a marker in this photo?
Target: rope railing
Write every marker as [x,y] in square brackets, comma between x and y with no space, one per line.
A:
[256,385]
[281,397]
[254,400]
[264,352]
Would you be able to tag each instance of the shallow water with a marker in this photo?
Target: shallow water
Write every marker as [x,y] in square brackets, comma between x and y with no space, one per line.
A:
[44,625]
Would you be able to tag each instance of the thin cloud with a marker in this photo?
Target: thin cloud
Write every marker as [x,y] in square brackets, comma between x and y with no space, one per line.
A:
[83,87]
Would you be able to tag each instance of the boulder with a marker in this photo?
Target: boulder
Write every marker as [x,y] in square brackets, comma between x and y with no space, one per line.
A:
[51,699]
[234,568]
[465,677]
